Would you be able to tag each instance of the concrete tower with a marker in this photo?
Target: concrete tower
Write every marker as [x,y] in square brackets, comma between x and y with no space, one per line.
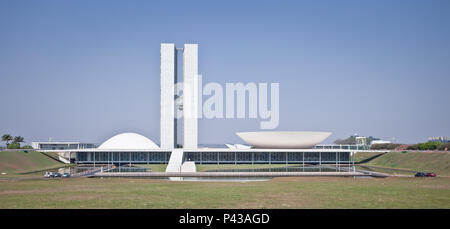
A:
[168,123]
[190,96]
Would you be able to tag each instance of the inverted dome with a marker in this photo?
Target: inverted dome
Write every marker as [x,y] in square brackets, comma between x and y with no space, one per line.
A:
[128,141]
[284,139]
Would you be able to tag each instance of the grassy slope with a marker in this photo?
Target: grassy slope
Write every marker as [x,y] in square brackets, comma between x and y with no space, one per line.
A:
[438,162]
[298,192]
[361,156]
[13,162]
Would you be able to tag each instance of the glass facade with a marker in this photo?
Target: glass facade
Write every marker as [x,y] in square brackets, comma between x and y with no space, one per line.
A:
[217,157]
[65,146]
[122,157]
[344,147]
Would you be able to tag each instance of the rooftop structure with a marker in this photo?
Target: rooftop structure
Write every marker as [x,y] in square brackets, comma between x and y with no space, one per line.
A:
[62,145]
[284,139]
[129,141]
[439,139]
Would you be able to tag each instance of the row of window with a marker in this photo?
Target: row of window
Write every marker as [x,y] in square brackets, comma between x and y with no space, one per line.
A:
[65,146]
[123,156]
[267,156]
[215,156]
[350,147]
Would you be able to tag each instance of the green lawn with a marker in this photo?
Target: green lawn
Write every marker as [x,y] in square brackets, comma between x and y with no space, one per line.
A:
[15,163]
[438,162]
[298,192]
[293,192]
[361,156]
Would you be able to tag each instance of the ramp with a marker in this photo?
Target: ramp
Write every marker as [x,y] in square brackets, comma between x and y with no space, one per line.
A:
[188,167]
[63,160]
[175,161]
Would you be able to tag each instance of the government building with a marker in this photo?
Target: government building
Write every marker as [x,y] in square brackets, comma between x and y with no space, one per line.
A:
[263,147]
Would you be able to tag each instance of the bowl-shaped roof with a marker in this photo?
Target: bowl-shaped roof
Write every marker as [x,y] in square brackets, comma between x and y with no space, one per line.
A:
[128,141]
[284,139]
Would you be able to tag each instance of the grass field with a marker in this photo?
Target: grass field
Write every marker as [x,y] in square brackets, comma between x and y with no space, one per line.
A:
[438,162]
[299,192]
[294,192]
[362,156]
[15,163]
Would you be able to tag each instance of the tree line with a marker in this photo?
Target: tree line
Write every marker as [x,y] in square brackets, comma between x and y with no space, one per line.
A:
[420,146]
[14,142]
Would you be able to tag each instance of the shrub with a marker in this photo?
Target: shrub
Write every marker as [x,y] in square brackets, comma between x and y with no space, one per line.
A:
[413,147]
[27,147]
[425,146]
[14,146]
[388,146]
[429,145]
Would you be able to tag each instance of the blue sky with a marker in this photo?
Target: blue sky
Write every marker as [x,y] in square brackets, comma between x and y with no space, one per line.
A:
[86,70]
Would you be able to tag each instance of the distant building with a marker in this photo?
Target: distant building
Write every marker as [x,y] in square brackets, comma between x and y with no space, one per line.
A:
[62,145]
[439,139]
[361,141]
[380,142]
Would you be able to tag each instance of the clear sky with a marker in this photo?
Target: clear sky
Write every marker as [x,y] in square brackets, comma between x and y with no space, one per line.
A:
[87,70]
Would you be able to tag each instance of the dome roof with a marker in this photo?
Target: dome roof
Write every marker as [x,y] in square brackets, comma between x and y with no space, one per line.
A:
[128,141]
[284,139]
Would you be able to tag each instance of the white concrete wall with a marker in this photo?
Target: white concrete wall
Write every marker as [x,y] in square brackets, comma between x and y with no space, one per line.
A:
[190,96]
[35,145]
[175,161]
[188,167]
[168,74]
[62,159]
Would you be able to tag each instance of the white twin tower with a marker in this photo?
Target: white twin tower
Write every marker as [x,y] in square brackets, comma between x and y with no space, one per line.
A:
[188,106]
[169,96]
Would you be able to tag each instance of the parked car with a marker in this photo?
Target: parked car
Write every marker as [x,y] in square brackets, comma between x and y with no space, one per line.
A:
[430,174]
[420,174]
[66,175]
[48,174]
[57,175]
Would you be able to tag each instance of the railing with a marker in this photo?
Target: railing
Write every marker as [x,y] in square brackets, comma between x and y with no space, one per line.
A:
[345,147]
[93,171]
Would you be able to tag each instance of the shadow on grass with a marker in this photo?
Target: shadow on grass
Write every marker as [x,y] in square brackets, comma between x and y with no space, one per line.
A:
[369,159]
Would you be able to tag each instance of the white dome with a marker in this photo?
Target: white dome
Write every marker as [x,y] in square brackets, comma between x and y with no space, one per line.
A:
[284,139]
[128,141]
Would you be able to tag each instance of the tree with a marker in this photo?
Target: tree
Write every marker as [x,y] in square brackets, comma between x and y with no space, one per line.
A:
[388,146]
[349,141]
[425,146]
[6,138]
[13,145]
[18,140]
